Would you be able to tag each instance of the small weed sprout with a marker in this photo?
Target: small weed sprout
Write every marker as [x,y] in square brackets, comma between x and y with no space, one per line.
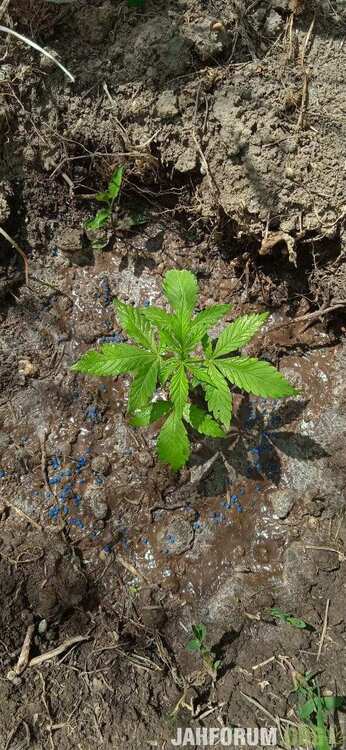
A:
[198,645]
[296,622]
[104,215]
[316,712]
[173,350]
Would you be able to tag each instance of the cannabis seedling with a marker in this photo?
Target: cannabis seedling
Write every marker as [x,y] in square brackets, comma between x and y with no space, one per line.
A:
[198,645]
[174,350]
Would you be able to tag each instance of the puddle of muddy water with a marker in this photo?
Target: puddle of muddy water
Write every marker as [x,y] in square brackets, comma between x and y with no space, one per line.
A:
[104,483]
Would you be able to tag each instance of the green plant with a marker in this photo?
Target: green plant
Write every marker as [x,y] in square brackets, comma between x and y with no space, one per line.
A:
[104,215]
[278,614]
[175,351]
[315,711]
[198,645]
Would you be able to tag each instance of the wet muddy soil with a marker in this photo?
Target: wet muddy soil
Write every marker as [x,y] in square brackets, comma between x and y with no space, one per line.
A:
[229,120]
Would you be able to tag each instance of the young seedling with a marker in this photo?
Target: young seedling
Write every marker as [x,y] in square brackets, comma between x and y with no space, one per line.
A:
[278,614]
[198,645]
[108,198]
[174,351]
[315,712]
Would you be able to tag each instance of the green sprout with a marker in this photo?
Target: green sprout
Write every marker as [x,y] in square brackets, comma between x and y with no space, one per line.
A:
[198,645]
[104,215]
[315,711]
[296,622]
[174,351]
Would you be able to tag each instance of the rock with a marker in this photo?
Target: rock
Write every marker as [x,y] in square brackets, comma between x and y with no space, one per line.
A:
[177,537]
[42,627]
[283,502]
[166,105]
[70,242]
[95,24]
[4,441]
[186,161]
[46,63]
[299,568]
[4,209]
[313,504]
[273,23]
[95,498]
[100,465]
[27,368]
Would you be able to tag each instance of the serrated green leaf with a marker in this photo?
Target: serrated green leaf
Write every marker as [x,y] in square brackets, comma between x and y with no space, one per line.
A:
[157,317]
[143,386]
[207,345]
[167,325]
[255,376]
[167,368]
[153,412]
[173,445]
[99,220]
[239,333]
[135,325]
[181,289]
[168,342]
[200,372]
[203,321]
[218,397]
[115,183]
[179,389]
[113,359]
[201,421]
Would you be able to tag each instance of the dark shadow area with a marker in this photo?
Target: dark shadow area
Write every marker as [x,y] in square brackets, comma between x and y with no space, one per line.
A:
[254,450]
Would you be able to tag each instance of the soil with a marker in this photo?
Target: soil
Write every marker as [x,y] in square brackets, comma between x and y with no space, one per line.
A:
[229,118]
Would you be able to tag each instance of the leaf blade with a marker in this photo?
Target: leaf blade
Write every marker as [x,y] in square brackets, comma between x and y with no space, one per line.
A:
[135,325]
[143,386]
[256,376]
[219,397]
[201,421]
[179,389]
[115,182]
[113,359]
[173,445]
[239,333]
[204,320]
[181,289]
[99,220]
[153,412]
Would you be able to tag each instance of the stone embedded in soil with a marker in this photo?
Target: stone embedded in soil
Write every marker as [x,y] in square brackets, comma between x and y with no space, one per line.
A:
[4,209]
[69,241]
[95,499]
[101,465]
[166,105]
[4,441]
[274,23]
[283,502]
[300,569]
[177,537]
